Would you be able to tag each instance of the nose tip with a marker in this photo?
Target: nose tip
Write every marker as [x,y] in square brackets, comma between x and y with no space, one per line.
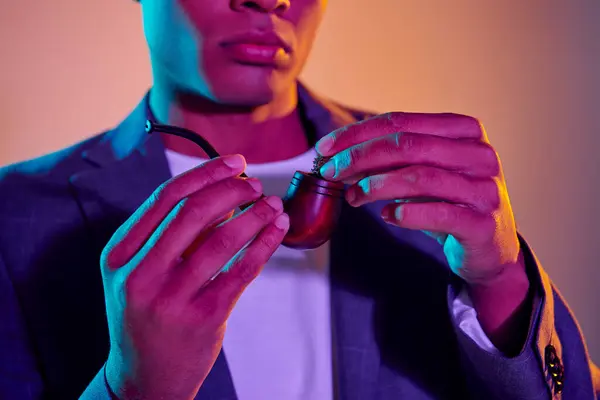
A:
[263,6]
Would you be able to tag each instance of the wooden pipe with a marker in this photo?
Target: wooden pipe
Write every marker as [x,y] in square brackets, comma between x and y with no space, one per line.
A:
[313,203]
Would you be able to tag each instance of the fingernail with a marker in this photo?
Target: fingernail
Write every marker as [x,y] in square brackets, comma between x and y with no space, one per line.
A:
[282,222]
[235,162]
[324,145]
[392,215]
[274,202]
[328,169]
[398,213]
[256,184]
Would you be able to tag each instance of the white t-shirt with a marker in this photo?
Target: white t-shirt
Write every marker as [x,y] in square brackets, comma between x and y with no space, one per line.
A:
[278,338]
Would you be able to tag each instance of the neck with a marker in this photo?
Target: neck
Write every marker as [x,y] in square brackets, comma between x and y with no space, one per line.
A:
[270,132]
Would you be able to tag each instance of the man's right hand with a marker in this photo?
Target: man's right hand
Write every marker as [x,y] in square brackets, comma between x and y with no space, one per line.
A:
[166,310]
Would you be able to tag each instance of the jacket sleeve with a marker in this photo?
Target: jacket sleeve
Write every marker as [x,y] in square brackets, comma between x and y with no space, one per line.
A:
[554,362]
[19,376]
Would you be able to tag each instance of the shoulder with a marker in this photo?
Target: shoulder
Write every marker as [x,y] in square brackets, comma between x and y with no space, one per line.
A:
[35,180]
[51,165]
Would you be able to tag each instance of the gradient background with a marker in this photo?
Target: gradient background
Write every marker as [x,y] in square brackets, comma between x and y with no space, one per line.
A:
[530,70]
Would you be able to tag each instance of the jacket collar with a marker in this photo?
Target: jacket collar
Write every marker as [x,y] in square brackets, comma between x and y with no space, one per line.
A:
[129,137]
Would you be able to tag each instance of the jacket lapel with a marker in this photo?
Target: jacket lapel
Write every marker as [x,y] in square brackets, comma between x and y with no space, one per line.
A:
[127,166]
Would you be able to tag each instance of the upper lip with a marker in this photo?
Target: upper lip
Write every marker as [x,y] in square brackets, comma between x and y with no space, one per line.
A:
[269,38]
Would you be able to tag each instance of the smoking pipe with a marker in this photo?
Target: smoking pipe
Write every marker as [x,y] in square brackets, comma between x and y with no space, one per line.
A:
[312,202]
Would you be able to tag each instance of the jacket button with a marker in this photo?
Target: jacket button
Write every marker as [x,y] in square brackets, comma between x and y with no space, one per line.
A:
[551,356]
[555,368]
[558,387]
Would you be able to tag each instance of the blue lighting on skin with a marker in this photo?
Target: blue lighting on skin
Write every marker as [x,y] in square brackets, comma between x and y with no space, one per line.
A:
[337,164]
[176,49]
[455,254]
[372,183]
[364,185]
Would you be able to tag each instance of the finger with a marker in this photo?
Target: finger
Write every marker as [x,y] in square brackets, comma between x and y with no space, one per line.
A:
[420,181]
[464,224]
[221,246]
[439,237]
[454,126]
[202,235]
[397,150]
[226,288]
[130,237]
[194,215]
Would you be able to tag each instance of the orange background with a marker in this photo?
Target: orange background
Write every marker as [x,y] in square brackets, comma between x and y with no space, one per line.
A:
[530,70]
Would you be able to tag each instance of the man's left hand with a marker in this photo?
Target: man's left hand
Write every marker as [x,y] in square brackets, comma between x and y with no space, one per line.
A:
[445,179]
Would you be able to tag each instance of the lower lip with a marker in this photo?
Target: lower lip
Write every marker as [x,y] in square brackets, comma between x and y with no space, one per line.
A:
[255,54]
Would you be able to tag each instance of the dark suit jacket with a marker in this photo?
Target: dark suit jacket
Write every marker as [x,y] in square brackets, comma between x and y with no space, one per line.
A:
[58,211]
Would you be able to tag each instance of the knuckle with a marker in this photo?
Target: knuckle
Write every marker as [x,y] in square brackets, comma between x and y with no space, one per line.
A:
[249,263]
[238,187]
[198,272]
[390,144]
[408,143]
[194,210]
[248,268]
[490,158]
[266,244]
[490,195]
[168,192]
[231,185]
[222,241]
[469,125]
[397,118]
[209,172]
[263,212]
[390,115]
[250,273]
[427,177]
[476,126]
[445,214]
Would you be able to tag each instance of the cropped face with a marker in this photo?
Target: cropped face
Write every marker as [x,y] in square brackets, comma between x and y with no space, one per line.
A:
[231,51]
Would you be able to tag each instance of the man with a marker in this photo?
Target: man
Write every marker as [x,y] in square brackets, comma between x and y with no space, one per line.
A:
[425,290]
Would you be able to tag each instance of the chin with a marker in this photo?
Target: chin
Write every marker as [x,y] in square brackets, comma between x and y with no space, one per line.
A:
[246,97]
[251,89]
